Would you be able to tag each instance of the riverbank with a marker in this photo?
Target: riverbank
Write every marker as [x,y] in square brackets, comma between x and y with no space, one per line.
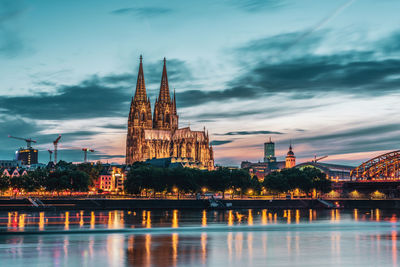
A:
[130,204]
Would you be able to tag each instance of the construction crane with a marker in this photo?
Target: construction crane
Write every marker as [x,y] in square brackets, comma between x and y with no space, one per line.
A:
[50,153]
[85,151]
[28,141]
[55,143]
[318,159]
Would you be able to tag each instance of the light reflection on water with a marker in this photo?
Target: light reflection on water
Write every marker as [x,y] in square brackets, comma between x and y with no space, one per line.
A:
[235,238]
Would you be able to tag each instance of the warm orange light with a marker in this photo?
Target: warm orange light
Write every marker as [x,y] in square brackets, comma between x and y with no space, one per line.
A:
[264,219]
[204,219]
[175,219]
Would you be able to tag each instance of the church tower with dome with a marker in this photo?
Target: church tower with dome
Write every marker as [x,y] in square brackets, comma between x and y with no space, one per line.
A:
[290,158]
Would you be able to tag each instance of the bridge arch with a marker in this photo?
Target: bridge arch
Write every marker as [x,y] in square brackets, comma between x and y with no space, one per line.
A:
[385,166]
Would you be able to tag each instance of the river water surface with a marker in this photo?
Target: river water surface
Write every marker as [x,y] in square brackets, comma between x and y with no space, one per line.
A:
[200,238]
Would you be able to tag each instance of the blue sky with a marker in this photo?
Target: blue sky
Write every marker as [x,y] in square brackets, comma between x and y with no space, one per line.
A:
[324,74]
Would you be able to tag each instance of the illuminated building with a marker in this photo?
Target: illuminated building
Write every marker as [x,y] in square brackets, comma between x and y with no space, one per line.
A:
[261,169]
[158,136]
[27,156]
[290,158]
[269,151]
[111,179]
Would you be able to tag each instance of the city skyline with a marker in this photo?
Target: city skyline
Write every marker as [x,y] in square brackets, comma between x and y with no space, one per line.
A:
[314,73]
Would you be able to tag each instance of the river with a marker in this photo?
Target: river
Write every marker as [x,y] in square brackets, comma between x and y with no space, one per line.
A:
[200,238]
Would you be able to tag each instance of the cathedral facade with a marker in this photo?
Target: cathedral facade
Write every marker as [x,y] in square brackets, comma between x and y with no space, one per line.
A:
[157,135]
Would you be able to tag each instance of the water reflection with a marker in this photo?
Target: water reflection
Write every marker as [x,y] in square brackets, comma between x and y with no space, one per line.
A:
[283,237]
[168,250]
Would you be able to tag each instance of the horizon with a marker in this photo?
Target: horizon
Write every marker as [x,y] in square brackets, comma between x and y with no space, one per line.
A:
[314,74]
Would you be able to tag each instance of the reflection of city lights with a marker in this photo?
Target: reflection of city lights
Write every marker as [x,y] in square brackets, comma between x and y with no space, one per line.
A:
[250,244]
[21,222]
[289,216]
[239,245]
[175,219]
[203,247]
[310,215]
[144,217]
[148,219]
[175,241]
[66,220]
[297,216]
[148,249]
[204,219]
[250,220]
[394,248]
[41,221]
[92,220]
[264,219]
[230,218]
[377,215]
[229,241]
[81,222]
[355,214]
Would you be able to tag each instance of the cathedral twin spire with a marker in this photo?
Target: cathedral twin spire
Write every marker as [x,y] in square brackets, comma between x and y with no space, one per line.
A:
[140,94]
[165,115]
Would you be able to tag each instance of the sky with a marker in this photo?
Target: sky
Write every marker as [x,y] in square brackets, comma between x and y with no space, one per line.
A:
[324,75]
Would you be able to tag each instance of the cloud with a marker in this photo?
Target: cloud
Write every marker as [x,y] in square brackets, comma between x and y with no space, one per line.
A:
[92,98]
[357,139]
[11,42]
[254,6]
[220,142]
[115,126]
[142,12]
[178,71]
[250,133]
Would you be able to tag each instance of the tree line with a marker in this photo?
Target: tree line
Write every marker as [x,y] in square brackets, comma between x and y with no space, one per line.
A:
[65,177]
[152,180]
[149,180]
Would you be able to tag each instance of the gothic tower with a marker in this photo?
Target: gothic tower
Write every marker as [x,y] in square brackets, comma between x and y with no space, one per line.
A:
[290,158]
[139,120]
[165,115]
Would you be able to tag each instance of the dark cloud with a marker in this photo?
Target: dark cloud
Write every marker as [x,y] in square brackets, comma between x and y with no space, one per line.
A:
[304,73]
[11,42]
[249,133]
[363,139]
[391,44]
[178,71]
[142,12]
[220,142]
[115,126]
[257,5]
[91,98]
[197,97]
[356,132]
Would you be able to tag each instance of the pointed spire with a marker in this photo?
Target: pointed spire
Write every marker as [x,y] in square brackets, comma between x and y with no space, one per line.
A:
[140,94]
[164,89]
[174,103]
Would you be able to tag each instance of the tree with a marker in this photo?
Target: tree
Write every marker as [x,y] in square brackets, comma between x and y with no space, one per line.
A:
[220,180]
[58,181]
[276,182]
[240,181]
[4,183]
[80,181]
[135,179]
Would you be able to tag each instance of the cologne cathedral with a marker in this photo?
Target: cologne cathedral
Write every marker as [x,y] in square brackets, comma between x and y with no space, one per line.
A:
[157,136]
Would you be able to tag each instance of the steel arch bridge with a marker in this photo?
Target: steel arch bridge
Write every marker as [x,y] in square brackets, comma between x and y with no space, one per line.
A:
[383,167]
